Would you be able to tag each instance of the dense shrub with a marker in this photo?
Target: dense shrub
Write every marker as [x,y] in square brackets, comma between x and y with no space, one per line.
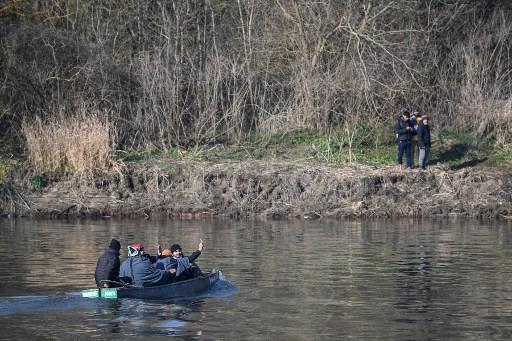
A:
[188,71]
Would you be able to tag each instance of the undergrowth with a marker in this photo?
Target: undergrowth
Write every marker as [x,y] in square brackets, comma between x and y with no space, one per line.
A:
[363,143]
[6,166]
[150,153]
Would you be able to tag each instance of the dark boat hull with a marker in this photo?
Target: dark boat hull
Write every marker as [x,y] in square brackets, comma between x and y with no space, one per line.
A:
[187,288]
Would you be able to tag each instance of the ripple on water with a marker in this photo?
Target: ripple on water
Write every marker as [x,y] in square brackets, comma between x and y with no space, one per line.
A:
[300,280]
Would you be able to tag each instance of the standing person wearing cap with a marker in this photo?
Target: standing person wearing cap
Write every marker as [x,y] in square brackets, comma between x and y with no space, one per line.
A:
[424,141]
[107,267]
[403,131]
[139,269]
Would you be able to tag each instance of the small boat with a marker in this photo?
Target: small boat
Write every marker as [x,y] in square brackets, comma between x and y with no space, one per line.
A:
[186,288]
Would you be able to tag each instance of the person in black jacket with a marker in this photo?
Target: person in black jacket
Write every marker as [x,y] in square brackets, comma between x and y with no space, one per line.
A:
[107,267]
[403,131]
[424,141]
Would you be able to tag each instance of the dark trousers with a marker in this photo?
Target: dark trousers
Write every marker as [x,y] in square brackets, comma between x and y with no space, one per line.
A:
[404,147]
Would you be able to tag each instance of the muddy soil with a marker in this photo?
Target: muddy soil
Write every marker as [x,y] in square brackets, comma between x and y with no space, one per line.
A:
[264,189]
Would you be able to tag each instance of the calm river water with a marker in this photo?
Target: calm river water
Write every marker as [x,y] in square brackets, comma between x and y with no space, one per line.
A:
[299,280]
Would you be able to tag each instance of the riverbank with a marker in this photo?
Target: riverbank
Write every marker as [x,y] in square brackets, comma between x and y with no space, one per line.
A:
[264,189]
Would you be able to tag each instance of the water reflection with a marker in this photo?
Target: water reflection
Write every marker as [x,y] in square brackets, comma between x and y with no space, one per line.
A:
[301,280]
[104,317]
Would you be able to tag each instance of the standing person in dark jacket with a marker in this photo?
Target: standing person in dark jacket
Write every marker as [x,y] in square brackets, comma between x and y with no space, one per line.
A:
[424,141]
[107,267]
[140,271]
[403,131]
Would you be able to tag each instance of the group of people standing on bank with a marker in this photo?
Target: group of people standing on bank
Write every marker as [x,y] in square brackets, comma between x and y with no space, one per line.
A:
[412,133]
[143,270]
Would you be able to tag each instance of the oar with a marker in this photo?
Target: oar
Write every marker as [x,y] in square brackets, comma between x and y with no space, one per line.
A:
[119,284]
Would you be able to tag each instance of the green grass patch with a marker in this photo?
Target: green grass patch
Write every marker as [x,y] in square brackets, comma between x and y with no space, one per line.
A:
[458,149]
[155,153]
[6,166]
[35,182]
[195,154]
[500,157]
[451,136]
[366,144]
[137,155]
[380,155]
[297,137]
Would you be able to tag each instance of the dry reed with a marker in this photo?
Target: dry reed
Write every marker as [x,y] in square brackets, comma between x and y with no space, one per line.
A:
[78,145]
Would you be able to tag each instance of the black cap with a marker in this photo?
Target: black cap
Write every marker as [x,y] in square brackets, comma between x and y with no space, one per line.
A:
[175,247]
[115,245]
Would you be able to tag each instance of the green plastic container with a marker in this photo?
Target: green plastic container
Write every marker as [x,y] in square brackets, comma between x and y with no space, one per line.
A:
[109,293]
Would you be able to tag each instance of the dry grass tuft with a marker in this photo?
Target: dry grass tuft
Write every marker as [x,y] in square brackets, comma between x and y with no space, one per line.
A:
[79,145]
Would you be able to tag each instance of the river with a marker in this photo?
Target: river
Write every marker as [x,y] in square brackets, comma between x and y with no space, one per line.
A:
[283,280]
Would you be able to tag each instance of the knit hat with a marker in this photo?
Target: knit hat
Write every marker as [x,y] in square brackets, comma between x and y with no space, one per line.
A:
[115,245]
[136,249]
[175,247]
[166,253]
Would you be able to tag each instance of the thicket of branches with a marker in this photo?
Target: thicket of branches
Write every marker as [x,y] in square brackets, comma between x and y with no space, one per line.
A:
[169,72]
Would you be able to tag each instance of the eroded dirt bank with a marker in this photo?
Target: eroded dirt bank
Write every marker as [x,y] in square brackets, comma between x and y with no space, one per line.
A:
[263,189]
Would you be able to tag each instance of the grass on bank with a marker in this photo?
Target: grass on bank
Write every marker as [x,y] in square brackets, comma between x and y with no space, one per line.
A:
[86,146]
[451,148]
[6,166]
[460,150]
[335,147]
[151,152]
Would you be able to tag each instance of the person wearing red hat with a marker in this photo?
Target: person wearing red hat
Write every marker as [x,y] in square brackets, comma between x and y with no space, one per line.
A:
[139,269]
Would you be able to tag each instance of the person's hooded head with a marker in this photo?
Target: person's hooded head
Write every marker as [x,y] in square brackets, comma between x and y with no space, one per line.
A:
[115,245]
